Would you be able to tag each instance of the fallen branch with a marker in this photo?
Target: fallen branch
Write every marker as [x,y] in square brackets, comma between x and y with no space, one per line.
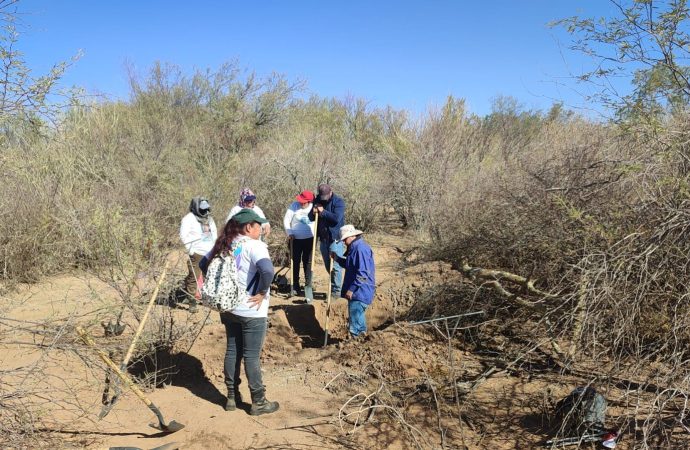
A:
[493,279]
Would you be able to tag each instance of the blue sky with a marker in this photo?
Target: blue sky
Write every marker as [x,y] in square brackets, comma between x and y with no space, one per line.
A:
[406,54]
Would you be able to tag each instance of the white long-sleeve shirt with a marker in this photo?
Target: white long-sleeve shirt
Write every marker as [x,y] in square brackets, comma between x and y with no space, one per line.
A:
[296,221]
[237,208]
[196,238]
[248,255]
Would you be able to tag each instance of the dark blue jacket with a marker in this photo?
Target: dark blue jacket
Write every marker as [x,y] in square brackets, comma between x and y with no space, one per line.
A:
[360,271]
[331,219]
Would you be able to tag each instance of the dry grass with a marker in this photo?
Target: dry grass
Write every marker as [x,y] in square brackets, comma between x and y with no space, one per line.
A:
[594,216]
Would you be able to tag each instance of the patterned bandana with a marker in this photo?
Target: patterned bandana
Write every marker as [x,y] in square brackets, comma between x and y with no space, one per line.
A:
[246,195]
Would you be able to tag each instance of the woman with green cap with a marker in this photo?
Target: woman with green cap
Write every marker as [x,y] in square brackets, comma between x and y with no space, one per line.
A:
[246,324]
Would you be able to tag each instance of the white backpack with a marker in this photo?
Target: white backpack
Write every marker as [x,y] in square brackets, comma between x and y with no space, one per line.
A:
[221,291]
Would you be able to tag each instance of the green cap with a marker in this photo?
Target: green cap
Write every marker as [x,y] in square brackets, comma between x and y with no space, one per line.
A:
[247,215]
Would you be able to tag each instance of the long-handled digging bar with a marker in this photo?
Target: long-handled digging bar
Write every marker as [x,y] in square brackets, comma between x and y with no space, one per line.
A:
[308,289]
[109,403]
[328,302]
[292,276]
[171,427]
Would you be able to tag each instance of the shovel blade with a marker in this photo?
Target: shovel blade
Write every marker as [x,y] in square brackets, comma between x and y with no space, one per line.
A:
[171,427]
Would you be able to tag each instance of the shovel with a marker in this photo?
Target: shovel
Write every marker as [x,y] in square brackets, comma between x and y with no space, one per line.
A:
[308,290]
[292,276]
[161,425]
[328,304]
[109,403]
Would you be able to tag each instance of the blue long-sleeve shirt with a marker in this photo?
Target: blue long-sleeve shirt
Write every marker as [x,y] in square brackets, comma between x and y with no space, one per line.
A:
[331,219]
[360,271]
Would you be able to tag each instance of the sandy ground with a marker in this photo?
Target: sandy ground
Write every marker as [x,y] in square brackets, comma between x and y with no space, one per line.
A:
[317,387]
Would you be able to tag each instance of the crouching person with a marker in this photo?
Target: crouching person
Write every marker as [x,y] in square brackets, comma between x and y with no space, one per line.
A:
[246,324]
[360,282]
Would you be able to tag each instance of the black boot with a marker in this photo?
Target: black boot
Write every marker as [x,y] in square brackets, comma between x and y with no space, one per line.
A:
[232,401]
[263,406]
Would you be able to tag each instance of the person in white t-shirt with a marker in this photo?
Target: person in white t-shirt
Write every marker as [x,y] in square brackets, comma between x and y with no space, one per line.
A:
[248,200]
[300,232]
[198,234]
[246,325]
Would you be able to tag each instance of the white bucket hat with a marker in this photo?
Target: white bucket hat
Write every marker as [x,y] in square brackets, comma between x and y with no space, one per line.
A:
[349,231]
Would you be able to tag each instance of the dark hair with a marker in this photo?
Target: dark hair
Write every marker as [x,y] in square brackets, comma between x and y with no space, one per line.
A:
[231,230]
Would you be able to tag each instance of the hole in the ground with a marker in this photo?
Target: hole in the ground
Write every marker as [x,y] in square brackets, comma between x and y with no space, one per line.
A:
[302,320]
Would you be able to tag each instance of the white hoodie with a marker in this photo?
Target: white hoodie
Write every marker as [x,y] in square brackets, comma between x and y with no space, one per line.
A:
[296,221]
[195,238]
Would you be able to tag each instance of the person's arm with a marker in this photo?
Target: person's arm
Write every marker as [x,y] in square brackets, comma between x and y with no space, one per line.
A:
[363,266]
[187,235]
[264,269]
[332,218]
[342,262]
[266,227]
[203,264]
[312,212]
[287,220]
[214,229]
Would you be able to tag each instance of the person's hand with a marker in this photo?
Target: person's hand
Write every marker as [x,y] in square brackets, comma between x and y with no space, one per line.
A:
[255,300]
[348,295]
[333,255]
[318,209]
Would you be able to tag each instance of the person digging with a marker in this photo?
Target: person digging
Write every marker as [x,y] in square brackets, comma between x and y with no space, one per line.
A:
[330,209]
[359,284]
[300,232]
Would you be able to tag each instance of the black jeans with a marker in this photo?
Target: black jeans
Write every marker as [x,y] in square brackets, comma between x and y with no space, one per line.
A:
[301,251]
[245,340]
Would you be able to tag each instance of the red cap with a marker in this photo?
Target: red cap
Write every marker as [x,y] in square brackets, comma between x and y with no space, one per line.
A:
[305,197]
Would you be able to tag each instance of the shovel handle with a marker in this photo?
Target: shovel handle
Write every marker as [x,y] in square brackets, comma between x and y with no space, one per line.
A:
[130,351]
[328,302]
[109,362]
[292,273]
[313,247]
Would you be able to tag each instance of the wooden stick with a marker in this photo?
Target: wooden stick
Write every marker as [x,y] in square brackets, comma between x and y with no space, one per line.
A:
[109,362]
[313,248]
[172,427]
[292,276]
[328,301]
[143,319]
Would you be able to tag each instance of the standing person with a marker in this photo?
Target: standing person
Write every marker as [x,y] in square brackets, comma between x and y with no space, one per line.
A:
[248,200]
[300,232]
[360,277]
[331,211]
[198,233]
[246,325]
